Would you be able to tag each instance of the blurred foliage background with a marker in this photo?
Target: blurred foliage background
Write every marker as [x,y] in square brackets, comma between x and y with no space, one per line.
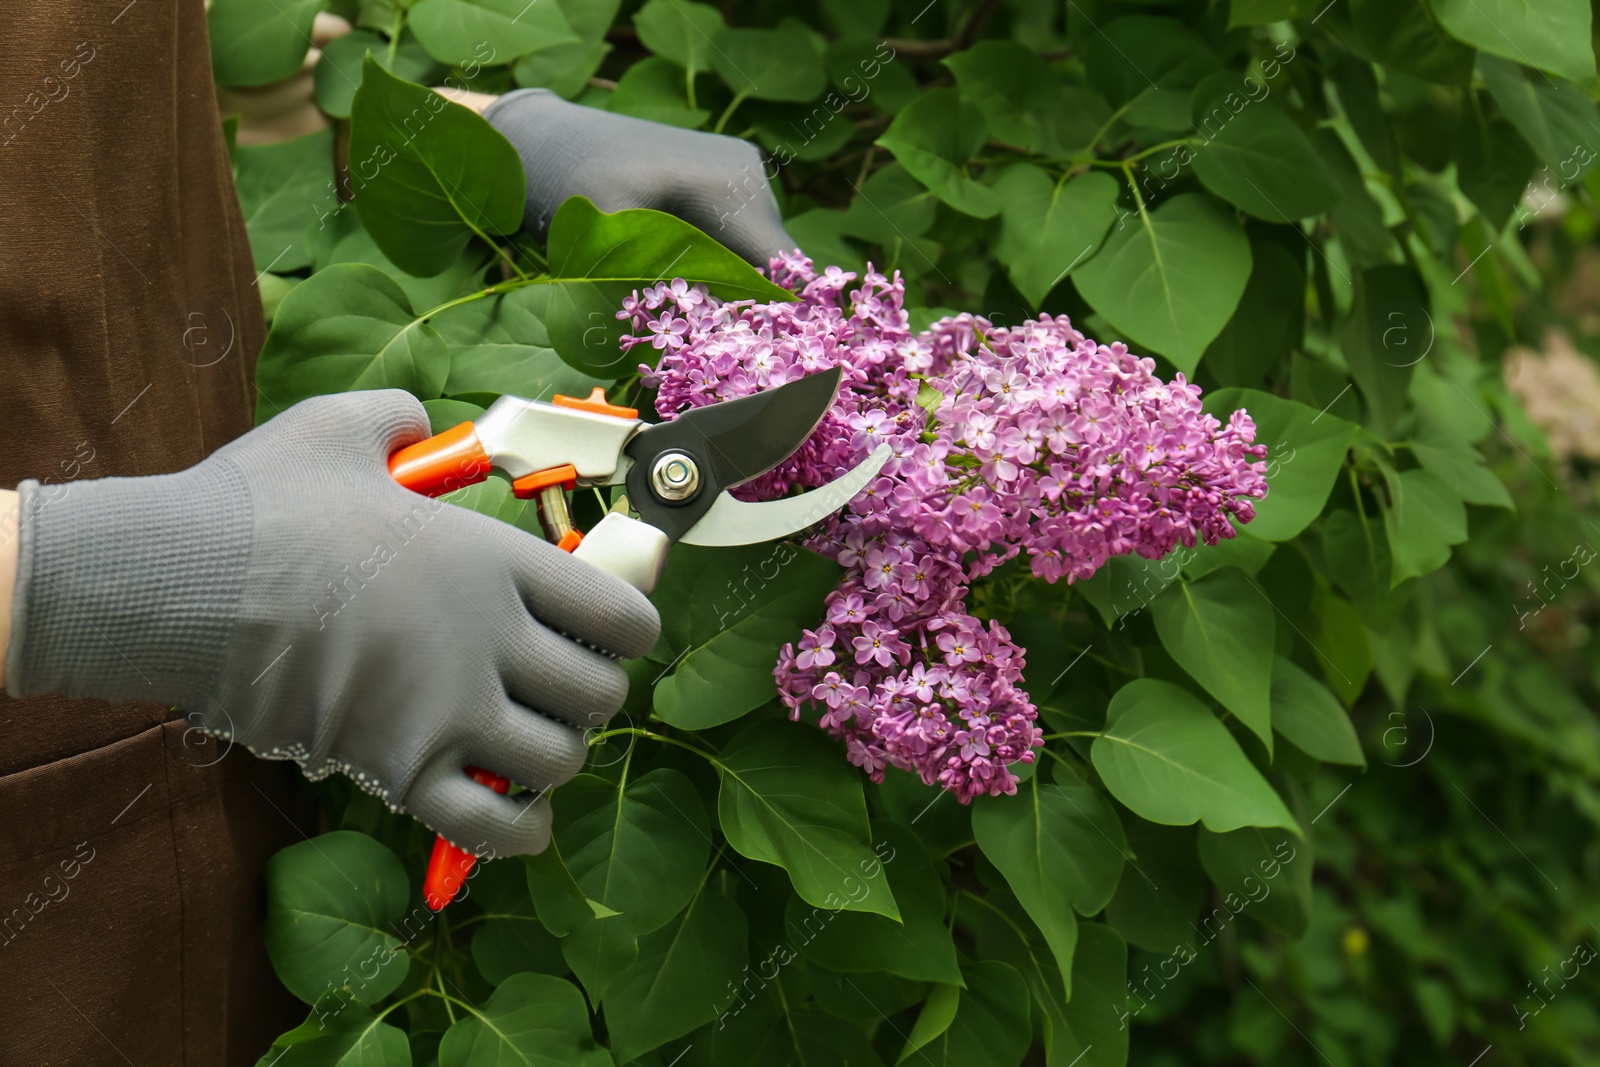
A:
[1383,211]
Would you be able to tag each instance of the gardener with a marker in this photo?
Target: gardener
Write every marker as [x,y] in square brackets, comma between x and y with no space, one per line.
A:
[131,860]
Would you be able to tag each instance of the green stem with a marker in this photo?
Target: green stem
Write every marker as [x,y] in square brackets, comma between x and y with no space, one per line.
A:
[501,252]
[404,1000]
[498,287]
[1009,921]
[1094,142]
[1074,733]
[1366,531]
[436,988]
[738,98]
[1138,197]
[639,732]
[394,36]
[1162,147]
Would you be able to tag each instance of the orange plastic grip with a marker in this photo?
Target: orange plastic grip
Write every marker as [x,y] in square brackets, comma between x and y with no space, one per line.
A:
[442,464]
[449,866]
[595,402]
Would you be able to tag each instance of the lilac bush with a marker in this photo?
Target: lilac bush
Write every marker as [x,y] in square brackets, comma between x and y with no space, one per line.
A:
[1031,441]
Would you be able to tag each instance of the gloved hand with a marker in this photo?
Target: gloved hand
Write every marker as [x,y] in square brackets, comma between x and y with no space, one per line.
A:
[288,593]
[716,183]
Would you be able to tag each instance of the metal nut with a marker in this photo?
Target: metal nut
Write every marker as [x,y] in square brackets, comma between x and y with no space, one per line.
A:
[675,478]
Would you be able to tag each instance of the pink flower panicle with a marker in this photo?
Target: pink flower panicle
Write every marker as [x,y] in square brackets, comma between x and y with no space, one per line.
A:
[1040,441]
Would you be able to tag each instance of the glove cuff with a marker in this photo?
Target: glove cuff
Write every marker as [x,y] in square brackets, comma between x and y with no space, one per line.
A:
[126,587]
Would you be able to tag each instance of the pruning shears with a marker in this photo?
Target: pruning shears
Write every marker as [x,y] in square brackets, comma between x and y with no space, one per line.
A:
[677,476]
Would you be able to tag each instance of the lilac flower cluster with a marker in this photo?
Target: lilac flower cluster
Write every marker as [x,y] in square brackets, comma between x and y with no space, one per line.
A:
[1028,440]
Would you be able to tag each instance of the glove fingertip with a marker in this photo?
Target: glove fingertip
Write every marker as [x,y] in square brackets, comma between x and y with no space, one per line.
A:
[398,417]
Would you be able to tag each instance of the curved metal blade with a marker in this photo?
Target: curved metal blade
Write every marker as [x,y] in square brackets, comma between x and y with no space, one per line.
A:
[739,522]
[745,438]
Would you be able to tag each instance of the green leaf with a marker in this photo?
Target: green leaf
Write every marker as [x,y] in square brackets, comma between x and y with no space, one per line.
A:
[1262,12]
[1160,893]
[638,247]
[1048,227]
[1244,550]
[1407,38]
[730,673]
[472,32]
[1169,759]
[278,185]
[428,174]
[348,327]
[492,497]
[339,71]
[1493,164]
[638,847]
[680,31]
[1309,716]
[342,239]
[1390,330]
[891,206]
[653,89]
[583,326]
[501,345]
[1305,452]
[1357,558]
[933,138]
[1257,158]
[1550,34]
[1556,119]
[937,1013]
[637,850]
[1170,279]
[991,1021]
[330,903]
[1269,323]
[274,287]
[807,1038]
[1459,466]
[1091,1030]
[1339,640]
[918,947]
[530,1018]
[684,977]
[788,798]
[1145,60]
[254,43]
[511,938]
[346,1034]
[1265,874]
[768,65]
[1220,630]
[557,899]
[1014,88]
[1357,219]
[1060,848]
[566,69]
[1424,518]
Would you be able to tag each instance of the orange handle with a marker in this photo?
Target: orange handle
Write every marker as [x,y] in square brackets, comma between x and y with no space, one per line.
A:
[442,464]
[449,866]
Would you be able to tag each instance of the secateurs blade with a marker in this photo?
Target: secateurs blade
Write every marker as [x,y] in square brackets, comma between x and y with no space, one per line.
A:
[677,476]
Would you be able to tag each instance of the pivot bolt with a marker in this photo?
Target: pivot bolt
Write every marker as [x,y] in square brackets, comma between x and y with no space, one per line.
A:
[675,477]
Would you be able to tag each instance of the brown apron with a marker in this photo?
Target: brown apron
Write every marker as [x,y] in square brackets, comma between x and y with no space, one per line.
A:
[131,855]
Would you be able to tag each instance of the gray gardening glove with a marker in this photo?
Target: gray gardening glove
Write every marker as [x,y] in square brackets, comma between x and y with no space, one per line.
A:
[288,594]
[716,183]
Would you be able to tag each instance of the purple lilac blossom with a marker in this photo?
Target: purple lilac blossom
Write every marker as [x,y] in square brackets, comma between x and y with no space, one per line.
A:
[1041,442]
